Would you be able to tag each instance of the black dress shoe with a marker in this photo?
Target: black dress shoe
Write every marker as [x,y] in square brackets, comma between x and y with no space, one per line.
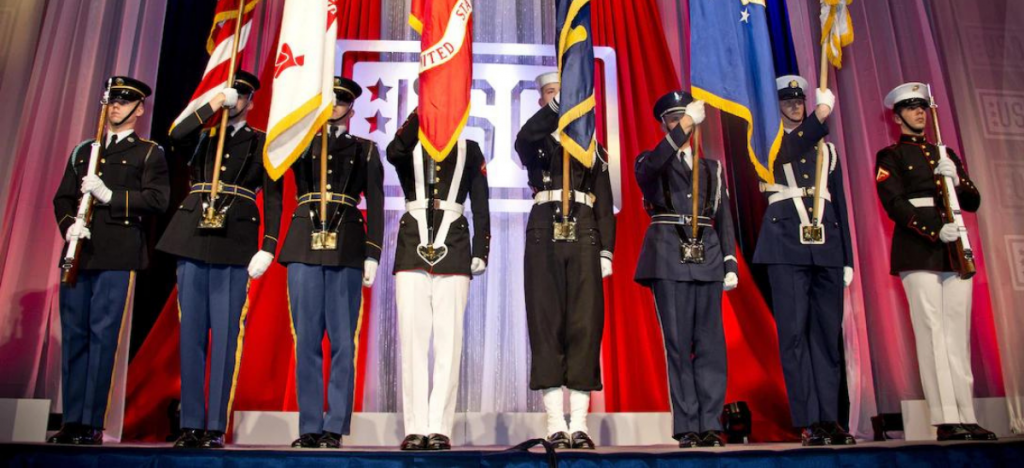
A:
[953,432]
[980,433]
[330,440]
[582,441]
[438,442]
[688,440]
[837,435]
[212,440]
[712,439]
[66,433]
[88,436]
[814,436]
[307,441]
[189,438]
[560,440]
[414,442]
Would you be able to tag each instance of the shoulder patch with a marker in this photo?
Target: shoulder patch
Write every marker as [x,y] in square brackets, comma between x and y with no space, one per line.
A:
[882,175]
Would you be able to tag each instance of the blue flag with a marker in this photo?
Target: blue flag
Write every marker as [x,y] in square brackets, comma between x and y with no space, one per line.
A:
[575,47]
[732,69]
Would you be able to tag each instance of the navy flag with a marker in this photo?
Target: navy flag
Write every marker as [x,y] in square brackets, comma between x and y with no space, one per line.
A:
[732,69]
[575,46]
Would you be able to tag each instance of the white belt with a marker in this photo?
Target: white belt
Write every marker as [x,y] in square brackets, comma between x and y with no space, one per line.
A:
[420,205]
[550,196]
[922,202]
[782,192]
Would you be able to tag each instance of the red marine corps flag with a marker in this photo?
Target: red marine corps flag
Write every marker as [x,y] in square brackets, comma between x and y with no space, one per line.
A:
[446,71]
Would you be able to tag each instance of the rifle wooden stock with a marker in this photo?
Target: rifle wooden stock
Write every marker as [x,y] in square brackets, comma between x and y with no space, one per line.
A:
[961,254]
[74,248]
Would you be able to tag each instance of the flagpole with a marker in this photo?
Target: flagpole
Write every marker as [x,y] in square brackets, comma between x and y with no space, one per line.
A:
[694,149]
[211,219]
[822,147]
[323,178]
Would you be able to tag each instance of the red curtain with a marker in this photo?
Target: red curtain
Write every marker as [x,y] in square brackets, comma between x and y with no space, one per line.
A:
[633,354]
[266,377]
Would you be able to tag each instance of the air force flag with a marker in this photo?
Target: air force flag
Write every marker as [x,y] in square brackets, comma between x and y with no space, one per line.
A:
[732,69]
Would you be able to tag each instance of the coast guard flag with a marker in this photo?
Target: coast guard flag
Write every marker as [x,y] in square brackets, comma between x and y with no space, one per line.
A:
[732,70]
[575,47]
[303,81]
[836,29]
[446,71]
[219,45]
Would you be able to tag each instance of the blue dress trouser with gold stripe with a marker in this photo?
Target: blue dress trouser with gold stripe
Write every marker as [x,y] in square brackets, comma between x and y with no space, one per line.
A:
[91,316]
[212,302]
[324,299]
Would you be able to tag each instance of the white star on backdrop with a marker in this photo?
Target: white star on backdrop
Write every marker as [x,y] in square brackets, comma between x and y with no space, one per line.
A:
[746,16]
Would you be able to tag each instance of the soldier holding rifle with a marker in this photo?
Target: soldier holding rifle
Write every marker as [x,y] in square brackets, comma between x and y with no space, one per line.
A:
[923,187]
[120,178]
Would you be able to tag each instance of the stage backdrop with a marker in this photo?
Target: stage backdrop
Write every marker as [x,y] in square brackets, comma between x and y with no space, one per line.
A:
[650,43]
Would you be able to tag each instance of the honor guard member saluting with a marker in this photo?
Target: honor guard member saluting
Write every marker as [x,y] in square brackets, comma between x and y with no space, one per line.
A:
[219,249]
[434,260]
[329,258]
[126,179]
[564,292]
[687,262]
[909,177]
[808,272]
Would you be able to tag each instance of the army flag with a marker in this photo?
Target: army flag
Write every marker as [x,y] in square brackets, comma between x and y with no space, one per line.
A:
[575,47]
[446,71]
[220,45]
[303,81]
[732,70]
[836,29]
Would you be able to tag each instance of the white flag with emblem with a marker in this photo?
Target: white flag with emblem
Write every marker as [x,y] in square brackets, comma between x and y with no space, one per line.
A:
[303,81]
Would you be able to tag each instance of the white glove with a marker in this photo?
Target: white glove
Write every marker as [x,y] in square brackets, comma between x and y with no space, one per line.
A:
[696,111]
[369,272]
[478,266]
[259,263]
[92,183]
[606,267]
[731,281]
[949,233]
[230,97]
[847,276]
[946,168]
[825,98]
[77,231]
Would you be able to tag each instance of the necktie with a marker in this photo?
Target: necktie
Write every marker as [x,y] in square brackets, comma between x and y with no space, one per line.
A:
[113,140]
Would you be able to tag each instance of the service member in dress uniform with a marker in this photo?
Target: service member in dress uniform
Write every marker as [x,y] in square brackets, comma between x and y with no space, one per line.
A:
[435,257]
[564,291]
[131,183]
[808,270]
[328,263]
[217,259]
[907,178]
[688,271]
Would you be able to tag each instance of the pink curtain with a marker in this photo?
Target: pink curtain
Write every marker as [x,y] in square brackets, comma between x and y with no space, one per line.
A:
[80,44]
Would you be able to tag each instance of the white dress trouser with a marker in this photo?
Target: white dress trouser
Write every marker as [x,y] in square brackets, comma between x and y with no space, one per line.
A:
[940,310]
[430,304]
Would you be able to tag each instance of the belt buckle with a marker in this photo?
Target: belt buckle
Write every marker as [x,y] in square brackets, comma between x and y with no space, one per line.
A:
[323,240]
[692,252]
[564,229]
[812,234]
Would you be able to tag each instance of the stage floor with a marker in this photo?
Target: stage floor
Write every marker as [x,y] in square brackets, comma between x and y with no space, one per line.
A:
[1008,452]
